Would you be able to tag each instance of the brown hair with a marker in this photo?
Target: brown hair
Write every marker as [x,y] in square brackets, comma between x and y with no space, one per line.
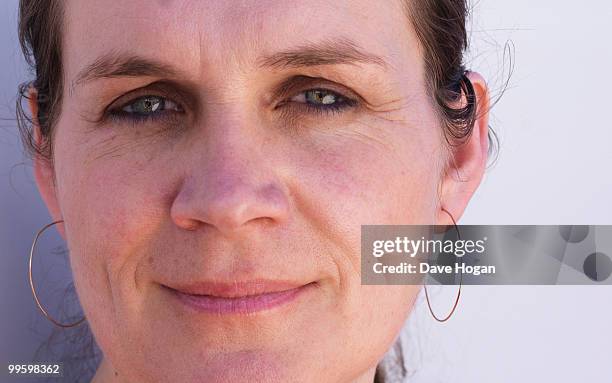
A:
[439,26]
[440,29]
[40,36]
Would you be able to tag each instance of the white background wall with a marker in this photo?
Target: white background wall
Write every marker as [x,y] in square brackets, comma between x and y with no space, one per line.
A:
[553,168]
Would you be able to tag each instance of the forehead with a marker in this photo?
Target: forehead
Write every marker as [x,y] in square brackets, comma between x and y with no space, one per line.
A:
[196,33]
[216,38]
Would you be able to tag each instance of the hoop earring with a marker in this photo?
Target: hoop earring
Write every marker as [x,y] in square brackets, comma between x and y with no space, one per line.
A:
[40,307]
[450,314]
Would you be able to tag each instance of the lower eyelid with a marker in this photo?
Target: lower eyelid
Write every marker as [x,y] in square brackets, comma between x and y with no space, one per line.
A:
[332,109]
[138,118]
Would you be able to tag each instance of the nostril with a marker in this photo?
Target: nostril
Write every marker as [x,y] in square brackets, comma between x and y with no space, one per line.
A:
[184,221]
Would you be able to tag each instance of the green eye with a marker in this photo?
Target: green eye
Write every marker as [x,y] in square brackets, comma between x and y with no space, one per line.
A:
[148,105]
[321,97]
[318,97]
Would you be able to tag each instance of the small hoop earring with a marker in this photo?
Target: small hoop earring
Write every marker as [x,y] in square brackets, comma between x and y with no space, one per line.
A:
[450,314]
[40,307]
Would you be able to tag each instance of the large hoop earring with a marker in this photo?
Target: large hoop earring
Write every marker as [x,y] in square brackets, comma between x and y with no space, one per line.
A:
[450,314]
[40,307]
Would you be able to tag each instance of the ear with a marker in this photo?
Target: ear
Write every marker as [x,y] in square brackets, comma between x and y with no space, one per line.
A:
[44,171]
[468,161]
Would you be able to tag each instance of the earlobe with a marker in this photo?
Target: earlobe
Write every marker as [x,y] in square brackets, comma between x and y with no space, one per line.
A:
[468,160]
[44,173]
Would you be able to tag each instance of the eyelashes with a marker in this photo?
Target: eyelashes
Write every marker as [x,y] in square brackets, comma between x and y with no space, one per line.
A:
[158,108]
[146,109]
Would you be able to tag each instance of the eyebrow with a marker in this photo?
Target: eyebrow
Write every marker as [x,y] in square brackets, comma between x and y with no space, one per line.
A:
[327,52]
[121,65]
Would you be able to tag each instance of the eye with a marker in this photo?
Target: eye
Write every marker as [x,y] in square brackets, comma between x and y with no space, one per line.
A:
[146,109]
[321,98]
[148,105]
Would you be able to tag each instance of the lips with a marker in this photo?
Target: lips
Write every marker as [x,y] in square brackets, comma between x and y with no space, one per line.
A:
[238,297]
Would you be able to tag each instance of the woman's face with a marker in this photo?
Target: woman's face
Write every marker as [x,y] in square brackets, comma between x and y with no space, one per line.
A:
[211,154]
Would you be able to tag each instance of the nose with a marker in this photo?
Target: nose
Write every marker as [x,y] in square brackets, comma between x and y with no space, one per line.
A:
[231,186]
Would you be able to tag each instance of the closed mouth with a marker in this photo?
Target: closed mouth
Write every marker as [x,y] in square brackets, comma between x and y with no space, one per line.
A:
[238,297]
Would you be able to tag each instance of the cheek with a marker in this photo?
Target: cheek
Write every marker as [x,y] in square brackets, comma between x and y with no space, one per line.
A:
[116,213]
[111,189]
[346,179]
[113,207]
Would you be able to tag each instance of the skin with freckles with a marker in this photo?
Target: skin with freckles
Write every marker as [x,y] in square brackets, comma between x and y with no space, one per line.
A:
[217,143]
